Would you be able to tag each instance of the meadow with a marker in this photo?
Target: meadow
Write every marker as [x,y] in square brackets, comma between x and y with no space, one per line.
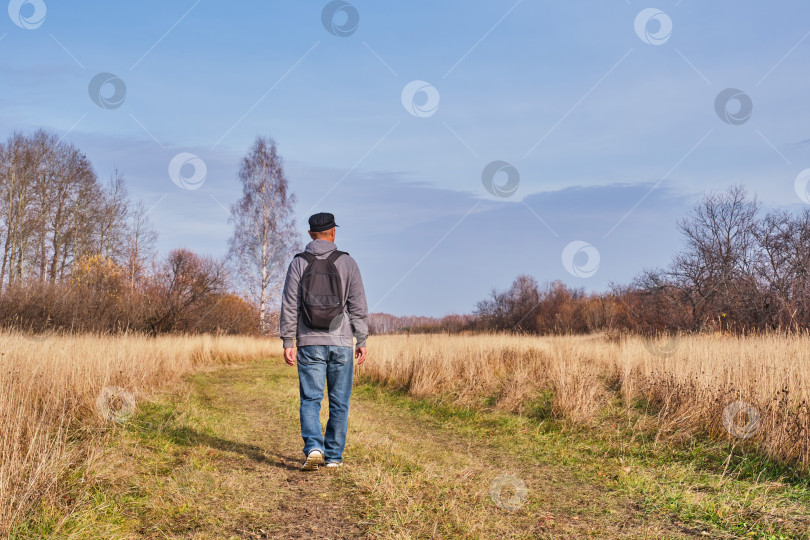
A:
[632,399]
[59,393]
[750,390]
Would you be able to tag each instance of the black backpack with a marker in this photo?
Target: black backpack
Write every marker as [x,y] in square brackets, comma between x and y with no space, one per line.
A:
[321,291]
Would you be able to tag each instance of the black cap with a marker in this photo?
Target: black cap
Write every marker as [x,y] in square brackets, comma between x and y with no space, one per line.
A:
[321,222]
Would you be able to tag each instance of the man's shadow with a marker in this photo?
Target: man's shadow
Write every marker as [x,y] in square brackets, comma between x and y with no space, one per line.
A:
[186,436]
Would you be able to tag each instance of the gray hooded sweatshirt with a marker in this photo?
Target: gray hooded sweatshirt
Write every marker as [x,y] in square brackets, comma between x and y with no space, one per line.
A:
[354,296]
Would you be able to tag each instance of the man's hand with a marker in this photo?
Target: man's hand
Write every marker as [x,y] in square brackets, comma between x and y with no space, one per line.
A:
[360,355]
[289,356]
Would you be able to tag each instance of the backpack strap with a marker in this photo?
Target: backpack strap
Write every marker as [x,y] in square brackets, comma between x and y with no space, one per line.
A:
[334,255]
[309,257]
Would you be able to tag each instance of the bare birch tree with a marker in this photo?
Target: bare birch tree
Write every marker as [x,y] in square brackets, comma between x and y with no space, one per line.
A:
[113,215]
[140,244]
[264,237]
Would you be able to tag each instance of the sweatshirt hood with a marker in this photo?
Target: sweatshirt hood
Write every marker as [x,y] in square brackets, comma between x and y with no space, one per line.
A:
[320,246]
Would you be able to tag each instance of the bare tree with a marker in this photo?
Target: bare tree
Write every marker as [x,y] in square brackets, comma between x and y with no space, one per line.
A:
[513,310]
[717,265]
[783,267]
[112,218]
[264,236]
[183,282]
[16,173]
[72,172]
[140,244]
[45,155]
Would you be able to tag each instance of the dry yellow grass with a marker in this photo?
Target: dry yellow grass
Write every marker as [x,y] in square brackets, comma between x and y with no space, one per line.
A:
[53,398]
[753,390]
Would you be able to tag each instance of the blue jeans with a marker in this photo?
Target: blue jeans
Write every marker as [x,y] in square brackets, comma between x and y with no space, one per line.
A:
[333,365]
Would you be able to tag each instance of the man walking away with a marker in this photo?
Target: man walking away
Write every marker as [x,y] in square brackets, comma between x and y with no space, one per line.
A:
[322,307]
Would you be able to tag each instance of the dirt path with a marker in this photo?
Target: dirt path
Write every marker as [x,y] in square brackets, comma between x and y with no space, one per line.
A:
[222,462]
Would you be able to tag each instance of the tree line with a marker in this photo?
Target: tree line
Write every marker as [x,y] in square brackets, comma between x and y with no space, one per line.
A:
[741,269]
[54,211]
[79,255]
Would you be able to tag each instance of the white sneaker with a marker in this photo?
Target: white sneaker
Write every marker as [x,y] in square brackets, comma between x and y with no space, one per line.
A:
[334,465]
[314,460]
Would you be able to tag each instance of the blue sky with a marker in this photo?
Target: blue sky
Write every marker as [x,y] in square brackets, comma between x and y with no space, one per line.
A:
[614,134]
